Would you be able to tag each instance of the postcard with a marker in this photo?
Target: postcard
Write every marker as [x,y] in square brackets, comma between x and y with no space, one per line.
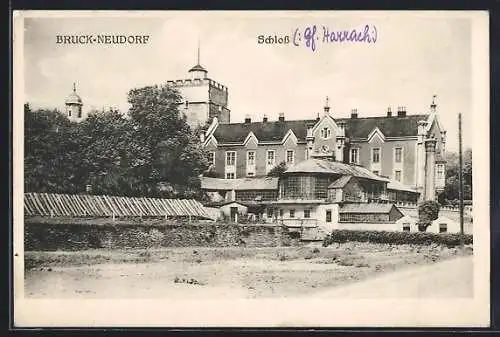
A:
[251,169]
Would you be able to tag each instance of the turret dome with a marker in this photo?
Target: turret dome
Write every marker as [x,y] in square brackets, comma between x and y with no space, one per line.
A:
[73,98]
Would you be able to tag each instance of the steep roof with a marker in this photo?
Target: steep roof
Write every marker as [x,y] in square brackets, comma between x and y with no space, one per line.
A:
[266,183]
[333,167]
[355,128]
[367,208]
[264,131]
[390,126]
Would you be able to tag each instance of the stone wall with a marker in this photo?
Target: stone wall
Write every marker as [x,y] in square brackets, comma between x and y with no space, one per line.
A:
[79,236]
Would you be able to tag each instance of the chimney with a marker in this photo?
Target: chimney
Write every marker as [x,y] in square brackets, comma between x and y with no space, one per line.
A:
[248,120]
[317,117]
[264,119]
[354,113]
[281,117]
[389,112]
[402,111]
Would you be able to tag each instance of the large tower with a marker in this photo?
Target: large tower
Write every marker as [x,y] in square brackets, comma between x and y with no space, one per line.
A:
[74,106]
[203,98]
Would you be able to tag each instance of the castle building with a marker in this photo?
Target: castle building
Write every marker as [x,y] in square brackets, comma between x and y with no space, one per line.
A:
[406,149]
[203,98]
[74,105]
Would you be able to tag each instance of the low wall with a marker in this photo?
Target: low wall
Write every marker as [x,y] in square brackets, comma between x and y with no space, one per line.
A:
[80,236]
[361,226]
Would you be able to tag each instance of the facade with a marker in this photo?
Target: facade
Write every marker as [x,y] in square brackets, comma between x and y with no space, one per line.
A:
[442,224]
[330,194]
[203,98]
[408,149]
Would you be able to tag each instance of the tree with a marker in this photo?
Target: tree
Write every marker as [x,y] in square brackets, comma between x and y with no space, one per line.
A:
[212,173]
[428,211]
[113,160]
[151,151]
[278,170]
[51,152]
[450,193]
[177,157]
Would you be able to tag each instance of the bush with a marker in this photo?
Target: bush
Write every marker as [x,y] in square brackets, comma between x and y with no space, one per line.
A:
[398,238]
[428,211]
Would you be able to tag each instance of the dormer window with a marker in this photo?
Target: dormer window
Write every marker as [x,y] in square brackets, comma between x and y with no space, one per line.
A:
[354,156]
[326,133]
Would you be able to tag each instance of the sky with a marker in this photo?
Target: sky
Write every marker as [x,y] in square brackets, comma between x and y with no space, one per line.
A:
[413,58]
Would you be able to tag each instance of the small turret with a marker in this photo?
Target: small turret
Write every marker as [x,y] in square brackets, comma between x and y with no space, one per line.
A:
[74,106]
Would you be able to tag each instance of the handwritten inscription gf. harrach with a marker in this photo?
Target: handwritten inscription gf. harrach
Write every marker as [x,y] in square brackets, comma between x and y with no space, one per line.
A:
[310,36]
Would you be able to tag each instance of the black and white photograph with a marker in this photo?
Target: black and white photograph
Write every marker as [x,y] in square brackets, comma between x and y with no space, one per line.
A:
[274,169]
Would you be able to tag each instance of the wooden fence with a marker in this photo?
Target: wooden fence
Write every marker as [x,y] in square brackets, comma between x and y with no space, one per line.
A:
[82,205]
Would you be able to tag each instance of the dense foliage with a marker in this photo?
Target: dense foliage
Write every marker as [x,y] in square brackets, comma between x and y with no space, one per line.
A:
[451,189]
[278,170]
[428,211]
[396,238]
[149,151]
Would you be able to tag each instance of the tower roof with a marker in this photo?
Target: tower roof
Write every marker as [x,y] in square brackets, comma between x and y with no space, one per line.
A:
[198,67]
[73,98]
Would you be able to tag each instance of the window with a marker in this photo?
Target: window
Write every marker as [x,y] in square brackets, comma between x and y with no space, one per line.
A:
[398,155]
[376,172]
[309,131]
[230,158]
[376,155]
[230,175]
[290,156]
[251,158]
[281,213]
[397,175]
[270,158]
[69,112]
[328,216]
[211,158]
[247,195]
[440,171]
[269,212]
[307,213]
[80,113]
[443,228]
[292,213]
[326,133]
[406,227]
[251,163]
[354,156]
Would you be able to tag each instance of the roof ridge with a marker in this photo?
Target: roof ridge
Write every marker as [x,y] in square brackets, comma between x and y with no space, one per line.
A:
[314,119]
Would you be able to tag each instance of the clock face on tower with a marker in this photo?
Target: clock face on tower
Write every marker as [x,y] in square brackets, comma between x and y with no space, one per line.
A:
[325,148]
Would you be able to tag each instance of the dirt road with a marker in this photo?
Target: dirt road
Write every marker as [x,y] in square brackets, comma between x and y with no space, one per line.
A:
[231,272]
[447,279]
